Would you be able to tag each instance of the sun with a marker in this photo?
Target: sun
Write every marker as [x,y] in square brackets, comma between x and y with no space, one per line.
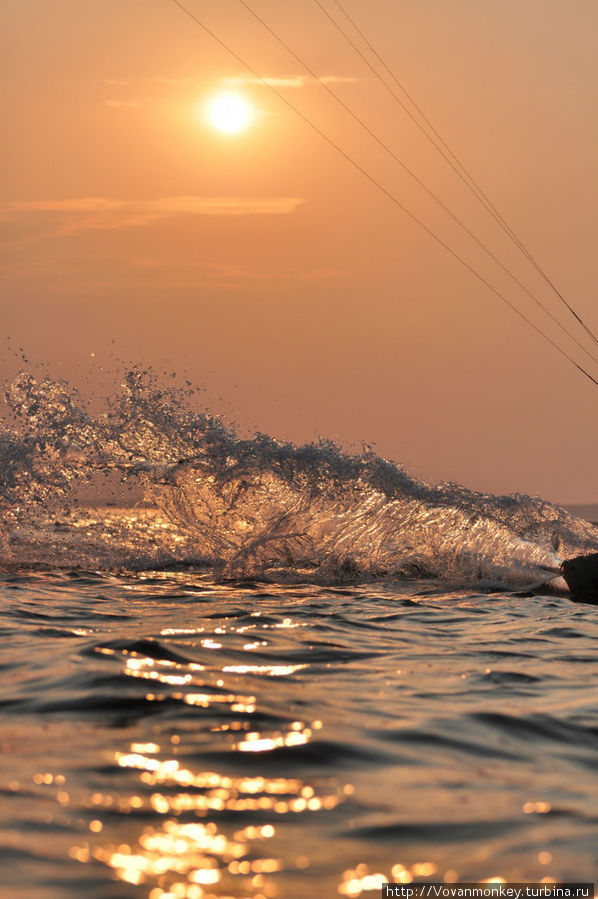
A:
[229,113]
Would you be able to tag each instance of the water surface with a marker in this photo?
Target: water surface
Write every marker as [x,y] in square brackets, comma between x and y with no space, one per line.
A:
[165,735]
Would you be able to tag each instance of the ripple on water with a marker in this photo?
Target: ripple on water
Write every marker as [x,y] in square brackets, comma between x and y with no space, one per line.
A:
[260,745]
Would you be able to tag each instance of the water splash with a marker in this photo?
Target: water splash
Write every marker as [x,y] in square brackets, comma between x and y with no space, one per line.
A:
[254,507]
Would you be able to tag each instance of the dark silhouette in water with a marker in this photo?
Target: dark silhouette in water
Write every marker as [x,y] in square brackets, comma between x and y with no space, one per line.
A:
[581,576]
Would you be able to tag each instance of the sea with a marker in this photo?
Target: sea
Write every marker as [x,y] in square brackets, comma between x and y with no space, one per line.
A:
[277,671]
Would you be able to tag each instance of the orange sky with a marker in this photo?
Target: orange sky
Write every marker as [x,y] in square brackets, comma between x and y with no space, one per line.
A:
[266,268]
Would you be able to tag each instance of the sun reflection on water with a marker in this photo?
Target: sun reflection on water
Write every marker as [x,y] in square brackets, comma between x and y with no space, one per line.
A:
[360,879]
[269,670]
[198,842]
[201,843]
[201,852]
[195,859]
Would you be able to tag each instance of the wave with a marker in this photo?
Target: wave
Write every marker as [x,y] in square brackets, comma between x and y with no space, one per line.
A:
[257,507]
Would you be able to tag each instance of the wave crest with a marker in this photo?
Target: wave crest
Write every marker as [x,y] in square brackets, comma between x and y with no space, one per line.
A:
[249,507]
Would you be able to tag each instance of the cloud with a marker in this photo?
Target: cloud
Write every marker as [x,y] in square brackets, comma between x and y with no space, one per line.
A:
[73,215]
[294,81]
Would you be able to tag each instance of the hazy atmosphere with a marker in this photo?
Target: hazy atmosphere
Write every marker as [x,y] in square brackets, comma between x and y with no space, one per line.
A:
[298,504]
[264,267]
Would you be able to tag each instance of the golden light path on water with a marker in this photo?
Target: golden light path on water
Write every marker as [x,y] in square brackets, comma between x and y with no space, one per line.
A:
[191,846]
[198,859]
[199,852]
[189,860]
[206,858]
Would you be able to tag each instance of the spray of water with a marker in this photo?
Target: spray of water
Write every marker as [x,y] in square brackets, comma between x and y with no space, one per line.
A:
[247,507]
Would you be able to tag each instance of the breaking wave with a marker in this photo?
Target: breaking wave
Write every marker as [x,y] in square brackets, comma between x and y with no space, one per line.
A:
[255,507]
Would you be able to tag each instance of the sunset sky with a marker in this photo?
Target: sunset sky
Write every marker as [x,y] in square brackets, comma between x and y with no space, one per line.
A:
[262,265]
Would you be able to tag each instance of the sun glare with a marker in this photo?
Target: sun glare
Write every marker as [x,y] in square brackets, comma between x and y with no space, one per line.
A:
[229,113]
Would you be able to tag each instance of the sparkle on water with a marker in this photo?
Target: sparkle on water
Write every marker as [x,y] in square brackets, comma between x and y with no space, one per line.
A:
[391,751]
